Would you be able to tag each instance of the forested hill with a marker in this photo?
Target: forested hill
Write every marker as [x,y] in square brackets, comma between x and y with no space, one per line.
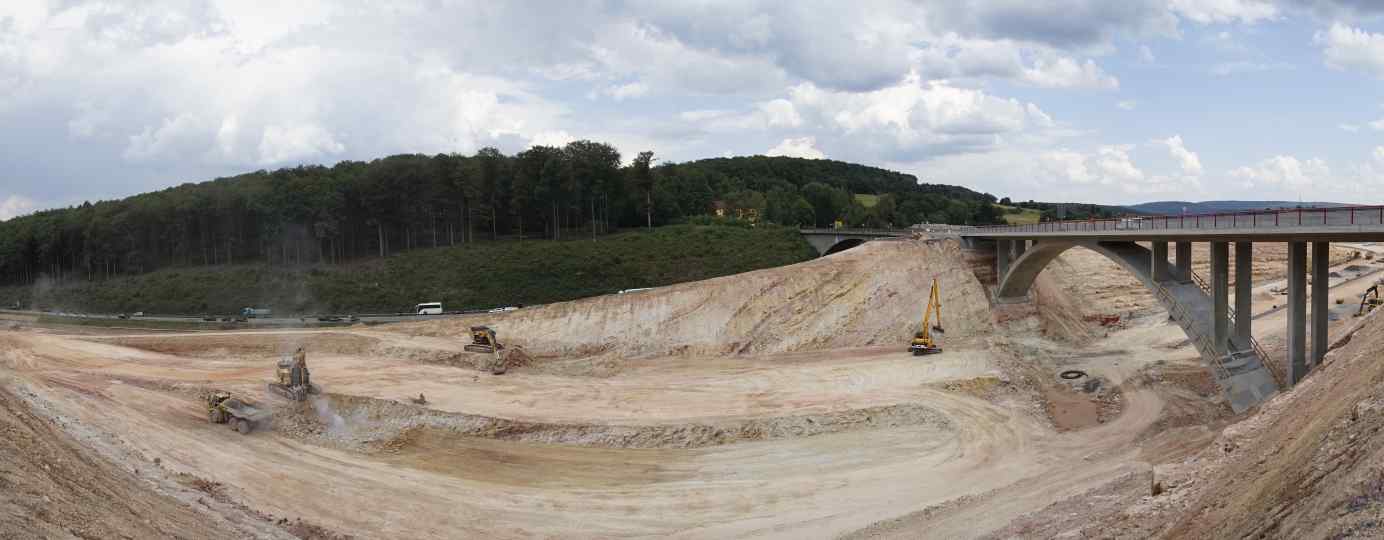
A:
[354,209]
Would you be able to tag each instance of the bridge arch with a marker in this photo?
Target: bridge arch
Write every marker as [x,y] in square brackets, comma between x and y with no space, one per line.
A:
[843,245]
[1017,281]
[1244,378]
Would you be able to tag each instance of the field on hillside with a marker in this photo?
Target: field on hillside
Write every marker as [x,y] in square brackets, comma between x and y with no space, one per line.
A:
[481,275]
[1024,216]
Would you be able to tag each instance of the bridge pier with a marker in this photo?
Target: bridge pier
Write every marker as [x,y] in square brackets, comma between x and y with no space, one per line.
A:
[1183,257]
[1002,250]
[1020,246]
[1244,282]
[1220,295]
[1297,312]
[1320,312]
[1160,261]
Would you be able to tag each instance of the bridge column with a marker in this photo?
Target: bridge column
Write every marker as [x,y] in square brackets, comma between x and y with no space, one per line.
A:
[1297,311]
[1220,293]
[1320,312]
[1160,262]
[1244,282]
[1020,246]
[1183,257]
[1001,259]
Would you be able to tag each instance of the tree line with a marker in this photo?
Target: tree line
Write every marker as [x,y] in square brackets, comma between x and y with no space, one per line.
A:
[356,209]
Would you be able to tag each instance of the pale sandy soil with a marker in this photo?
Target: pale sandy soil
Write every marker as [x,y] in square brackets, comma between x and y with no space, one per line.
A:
[777,403]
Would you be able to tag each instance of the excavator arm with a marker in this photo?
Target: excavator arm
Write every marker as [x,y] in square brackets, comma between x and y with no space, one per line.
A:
[922,342]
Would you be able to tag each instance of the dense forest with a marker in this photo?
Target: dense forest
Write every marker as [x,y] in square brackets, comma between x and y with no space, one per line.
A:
[354,209]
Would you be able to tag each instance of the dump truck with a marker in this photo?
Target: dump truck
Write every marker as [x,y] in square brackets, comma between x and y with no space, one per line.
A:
[224,408]
[294,381]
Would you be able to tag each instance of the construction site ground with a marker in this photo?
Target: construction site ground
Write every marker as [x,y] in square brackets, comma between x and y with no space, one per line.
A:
[778,403]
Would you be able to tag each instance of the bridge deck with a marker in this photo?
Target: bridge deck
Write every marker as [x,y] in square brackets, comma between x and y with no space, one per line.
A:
[1354,223]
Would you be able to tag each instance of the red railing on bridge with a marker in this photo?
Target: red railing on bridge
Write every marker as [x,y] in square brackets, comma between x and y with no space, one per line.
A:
[1342,216]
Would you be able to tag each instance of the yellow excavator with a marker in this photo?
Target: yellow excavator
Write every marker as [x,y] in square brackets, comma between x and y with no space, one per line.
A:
[1369,300]
[922,341]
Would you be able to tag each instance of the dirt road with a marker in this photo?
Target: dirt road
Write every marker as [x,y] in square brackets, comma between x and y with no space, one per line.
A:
[810,432]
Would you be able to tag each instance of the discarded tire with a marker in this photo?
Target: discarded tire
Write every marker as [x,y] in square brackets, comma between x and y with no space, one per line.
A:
[1072,374]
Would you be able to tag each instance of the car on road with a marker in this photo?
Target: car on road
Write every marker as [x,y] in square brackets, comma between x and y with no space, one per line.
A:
[429,308]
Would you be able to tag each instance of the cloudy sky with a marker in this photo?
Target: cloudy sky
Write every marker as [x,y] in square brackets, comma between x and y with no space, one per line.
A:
[1084,100]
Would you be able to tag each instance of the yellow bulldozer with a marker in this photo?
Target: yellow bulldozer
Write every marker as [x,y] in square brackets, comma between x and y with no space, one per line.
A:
[923,343]
[483,340]
[294,381]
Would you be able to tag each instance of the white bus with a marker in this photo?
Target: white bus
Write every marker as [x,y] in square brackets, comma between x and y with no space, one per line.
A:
[430,308]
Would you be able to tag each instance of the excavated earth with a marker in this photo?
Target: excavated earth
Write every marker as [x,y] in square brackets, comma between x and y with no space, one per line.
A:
[776,403]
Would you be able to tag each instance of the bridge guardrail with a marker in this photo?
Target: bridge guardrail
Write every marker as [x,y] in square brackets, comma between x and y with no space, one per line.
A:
[1256,219]
[875,232]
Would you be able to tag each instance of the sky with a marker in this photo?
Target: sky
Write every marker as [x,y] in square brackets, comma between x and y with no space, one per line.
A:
[1059,100]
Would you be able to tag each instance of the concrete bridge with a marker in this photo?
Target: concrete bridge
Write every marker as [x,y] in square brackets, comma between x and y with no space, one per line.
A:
[828,241]
[1221,332]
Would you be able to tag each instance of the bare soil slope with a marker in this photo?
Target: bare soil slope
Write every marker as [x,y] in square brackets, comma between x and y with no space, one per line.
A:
[53,487]
[870,295]
[1311,464]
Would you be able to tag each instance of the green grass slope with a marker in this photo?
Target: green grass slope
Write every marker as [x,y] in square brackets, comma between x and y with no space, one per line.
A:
[481,275]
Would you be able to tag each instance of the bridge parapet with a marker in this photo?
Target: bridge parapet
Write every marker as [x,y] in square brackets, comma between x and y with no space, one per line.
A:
[1281,220]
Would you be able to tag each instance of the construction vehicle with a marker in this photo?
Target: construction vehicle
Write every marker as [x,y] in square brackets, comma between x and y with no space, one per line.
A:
[922,341]
[223,408]
[1369,300]
[483,340]
[294,380]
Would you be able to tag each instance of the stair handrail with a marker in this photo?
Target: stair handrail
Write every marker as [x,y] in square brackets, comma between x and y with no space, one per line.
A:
[1278,378]
[1203,343]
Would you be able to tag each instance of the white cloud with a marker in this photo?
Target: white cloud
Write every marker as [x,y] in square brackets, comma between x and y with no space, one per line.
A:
[622,92]
[953,56]
[282,144]
[1113,165]
[1283,171]
[13,206]
[1377,125]
[916,118]
[1348,48]
[172,138]
[1066,165]
[551,138]
[1128,104]
[1187,159]
[1146,55]
[802,147]
[1108,165]
[780,113]
[1068,73]
[1225,69]
[1224,11]
[1349,127]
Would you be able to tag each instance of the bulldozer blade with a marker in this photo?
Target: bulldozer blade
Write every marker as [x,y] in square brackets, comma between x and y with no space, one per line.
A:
[479,348]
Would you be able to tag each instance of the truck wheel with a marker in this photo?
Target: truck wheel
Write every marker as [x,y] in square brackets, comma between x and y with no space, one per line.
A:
[243,426]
